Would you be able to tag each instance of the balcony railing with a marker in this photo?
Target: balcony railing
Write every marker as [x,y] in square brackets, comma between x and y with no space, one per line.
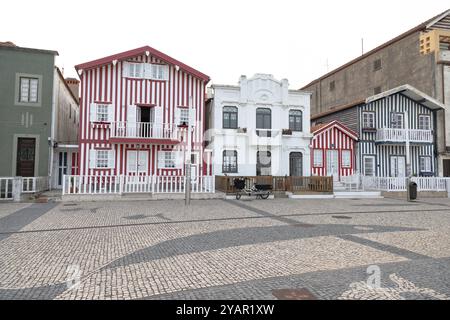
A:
[145,130]
[400,135]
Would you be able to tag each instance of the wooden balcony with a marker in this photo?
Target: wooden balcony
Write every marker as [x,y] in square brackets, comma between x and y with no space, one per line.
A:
[387,135]
[145,132]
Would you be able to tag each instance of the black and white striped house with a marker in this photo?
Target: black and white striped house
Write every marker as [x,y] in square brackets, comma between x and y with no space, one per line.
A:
[385,122]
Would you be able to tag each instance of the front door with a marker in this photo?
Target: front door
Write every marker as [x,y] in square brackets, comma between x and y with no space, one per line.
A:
[62,167]
[446,168]
[296,164]
[333,164]
[26,149]
[398,167]
[137,162]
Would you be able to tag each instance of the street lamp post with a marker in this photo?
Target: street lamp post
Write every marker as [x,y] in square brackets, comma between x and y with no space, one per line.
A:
[188,167]
[408,158]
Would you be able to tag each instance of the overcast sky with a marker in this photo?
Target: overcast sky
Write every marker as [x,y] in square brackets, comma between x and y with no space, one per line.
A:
[297,40]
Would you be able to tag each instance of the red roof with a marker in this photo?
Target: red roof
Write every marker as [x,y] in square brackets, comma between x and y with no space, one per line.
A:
[324,126]
[135,52]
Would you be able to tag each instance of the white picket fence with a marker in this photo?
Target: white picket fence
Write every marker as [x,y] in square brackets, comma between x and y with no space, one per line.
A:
[392,184]
[91,185]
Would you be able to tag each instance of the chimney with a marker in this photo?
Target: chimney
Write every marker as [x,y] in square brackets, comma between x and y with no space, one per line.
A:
[74,85]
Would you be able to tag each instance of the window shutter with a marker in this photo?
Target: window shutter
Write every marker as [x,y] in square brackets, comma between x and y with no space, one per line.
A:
[177,117]
[92,159]
[131,114]
[125,69]
[179,159]
[158,116]
[161,159]
[111,115]
[111,159]
[166,73]
[93,112]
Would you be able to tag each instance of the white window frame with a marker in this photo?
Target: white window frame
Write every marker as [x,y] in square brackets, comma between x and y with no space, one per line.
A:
[102,159]
[135,70]
[102,112]
[184,115]
[230,161]
[421,123]
[346,158]
[170,160]
[318,160]
[30,98]
[394,122]
[425,167]
[159,72]
[368,120]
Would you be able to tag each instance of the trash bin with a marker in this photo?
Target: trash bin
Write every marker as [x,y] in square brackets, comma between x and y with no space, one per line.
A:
[412,191]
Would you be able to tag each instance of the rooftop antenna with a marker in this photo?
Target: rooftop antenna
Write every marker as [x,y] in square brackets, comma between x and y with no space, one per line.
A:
[362,46]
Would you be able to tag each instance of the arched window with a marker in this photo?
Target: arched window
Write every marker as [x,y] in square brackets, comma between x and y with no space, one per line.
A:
[229,161]
[230,117]
[296,120]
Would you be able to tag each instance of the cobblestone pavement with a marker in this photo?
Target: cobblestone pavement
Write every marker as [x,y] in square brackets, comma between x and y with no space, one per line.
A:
[216,249]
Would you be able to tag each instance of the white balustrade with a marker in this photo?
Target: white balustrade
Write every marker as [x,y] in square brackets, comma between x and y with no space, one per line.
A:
[400,135]
[145,130]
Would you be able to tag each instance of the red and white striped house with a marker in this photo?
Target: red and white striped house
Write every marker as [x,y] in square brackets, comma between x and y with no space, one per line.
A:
[133,113]
[333,150]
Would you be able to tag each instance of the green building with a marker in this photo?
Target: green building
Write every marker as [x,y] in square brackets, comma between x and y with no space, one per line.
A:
[34,101]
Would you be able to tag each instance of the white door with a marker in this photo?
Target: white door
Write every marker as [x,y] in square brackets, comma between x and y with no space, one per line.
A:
[398,167]
[137,162]
[333,164]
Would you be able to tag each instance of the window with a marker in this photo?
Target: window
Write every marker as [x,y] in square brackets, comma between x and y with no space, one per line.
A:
[377,90]
[368,120]
[425,164]
[377,65]
[158,72]
[369,166]
[332,85]
[169,160]
[102,112]
[230,117]
[229,163]
[184,116]
[28,89]
[263,121]
[296,120]
[424,122]
[397,120]
[136,70]
[102,158]
[318,158]
[346,159]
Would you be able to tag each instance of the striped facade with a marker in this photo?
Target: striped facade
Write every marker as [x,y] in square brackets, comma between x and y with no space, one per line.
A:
[383,152]
[106,83]
[333,136]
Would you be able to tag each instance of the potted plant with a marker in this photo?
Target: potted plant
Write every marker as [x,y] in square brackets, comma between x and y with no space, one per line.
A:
[242,130]
[287,132]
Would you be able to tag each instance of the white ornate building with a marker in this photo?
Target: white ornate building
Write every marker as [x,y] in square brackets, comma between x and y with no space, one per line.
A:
[259,127]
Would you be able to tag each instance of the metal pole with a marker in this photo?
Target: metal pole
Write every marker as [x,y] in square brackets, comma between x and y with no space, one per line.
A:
[188,157]
[408,158]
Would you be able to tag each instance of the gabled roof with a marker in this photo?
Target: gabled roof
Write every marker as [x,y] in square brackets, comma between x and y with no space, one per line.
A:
[325,126]
[433,22]
[139,51]
[413,94]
